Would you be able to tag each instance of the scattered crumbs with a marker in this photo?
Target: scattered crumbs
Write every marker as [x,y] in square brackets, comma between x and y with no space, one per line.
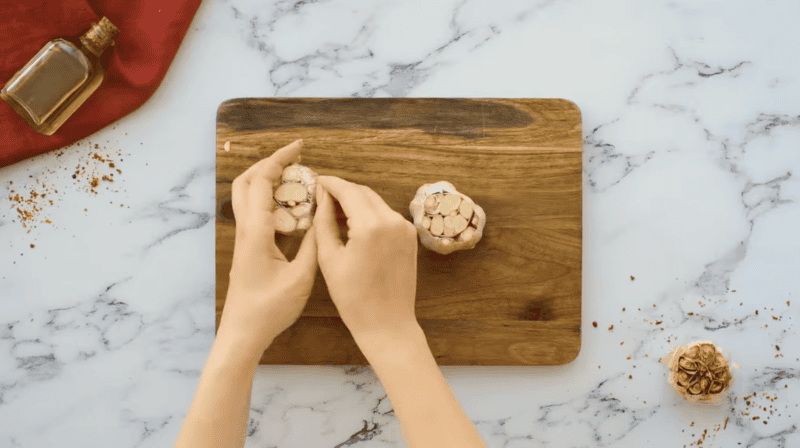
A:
[594,324]
[91,167]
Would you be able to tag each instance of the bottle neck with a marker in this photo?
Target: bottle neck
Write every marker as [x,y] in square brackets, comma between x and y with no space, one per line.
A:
[99,37]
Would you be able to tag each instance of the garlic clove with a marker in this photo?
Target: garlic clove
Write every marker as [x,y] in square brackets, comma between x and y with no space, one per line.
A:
[284,221]
[465,210]
[292,173]
[430,204]
[304,224]
[437,225]
[459,223]
[302,209]
[291,192]
[467,234]
[426,223]
[449,203]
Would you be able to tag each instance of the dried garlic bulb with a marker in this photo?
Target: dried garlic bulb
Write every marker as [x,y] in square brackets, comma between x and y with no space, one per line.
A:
[699,372]
[296,200]
[446,220]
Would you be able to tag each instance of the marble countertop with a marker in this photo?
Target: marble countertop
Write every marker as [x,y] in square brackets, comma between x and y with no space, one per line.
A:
[691,118]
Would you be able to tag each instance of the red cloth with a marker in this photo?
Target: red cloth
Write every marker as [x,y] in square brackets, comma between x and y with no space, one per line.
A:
[150,32]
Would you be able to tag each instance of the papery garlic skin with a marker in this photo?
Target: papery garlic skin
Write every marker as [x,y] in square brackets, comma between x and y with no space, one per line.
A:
[296,200]
[446,220]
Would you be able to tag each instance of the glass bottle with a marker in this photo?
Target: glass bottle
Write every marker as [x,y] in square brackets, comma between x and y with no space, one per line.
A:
[62,75]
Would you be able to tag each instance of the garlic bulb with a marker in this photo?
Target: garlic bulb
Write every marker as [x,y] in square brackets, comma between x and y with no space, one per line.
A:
[446,220]
[296,198]
[699,372]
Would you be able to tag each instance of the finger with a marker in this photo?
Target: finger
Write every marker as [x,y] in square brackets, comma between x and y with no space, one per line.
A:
[351,196]
[305,262]
[265,175]
[260,195]
[278,160]
[376,200]
[325,226]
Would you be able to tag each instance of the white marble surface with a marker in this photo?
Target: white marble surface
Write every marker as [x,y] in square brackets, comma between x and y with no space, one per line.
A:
[691,115]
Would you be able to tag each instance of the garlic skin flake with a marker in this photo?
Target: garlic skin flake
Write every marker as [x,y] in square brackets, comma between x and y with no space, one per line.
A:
[446,220]
[296,200]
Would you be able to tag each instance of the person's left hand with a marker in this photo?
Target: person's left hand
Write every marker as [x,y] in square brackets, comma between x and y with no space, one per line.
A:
[267,292]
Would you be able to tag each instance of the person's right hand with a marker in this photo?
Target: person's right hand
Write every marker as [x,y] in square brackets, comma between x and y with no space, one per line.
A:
[373,278]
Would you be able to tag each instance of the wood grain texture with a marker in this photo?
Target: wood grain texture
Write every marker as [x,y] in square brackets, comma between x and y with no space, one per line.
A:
[513,300]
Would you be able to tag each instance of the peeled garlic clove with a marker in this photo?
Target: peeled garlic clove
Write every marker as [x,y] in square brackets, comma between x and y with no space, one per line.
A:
[449,203]
[437,225]
[298,184]
[302,209]
[475,220]
[459,224]
[304,224]
[465,210]
[291,193]
[430,204]
[426,223]
[448,222]
[292,173]
[466,235]
[284,221]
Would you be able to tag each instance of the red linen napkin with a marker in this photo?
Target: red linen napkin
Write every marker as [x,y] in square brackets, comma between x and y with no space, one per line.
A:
[150,32]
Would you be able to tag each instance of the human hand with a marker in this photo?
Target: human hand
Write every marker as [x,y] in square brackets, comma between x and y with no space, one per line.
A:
[372,279]
[266,293]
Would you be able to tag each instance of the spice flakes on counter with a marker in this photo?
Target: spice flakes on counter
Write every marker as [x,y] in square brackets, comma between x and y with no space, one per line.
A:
[98,166]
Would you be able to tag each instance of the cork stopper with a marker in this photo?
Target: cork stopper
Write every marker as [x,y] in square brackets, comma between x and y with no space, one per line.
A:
[100,36]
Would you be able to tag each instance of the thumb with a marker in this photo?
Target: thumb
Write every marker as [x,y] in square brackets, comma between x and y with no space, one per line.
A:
[306,259]
[325,226]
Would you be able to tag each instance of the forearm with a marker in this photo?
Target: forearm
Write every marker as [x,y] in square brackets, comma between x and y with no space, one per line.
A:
[218,415]
[429,413]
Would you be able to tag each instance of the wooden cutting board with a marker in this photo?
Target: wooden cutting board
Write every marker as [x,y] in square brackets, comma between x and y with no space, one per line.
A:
[513,300]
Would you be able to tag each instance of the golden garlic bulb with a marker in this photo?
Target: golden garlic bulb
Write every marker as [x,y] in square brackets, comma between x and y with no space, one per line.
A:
[699,372]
